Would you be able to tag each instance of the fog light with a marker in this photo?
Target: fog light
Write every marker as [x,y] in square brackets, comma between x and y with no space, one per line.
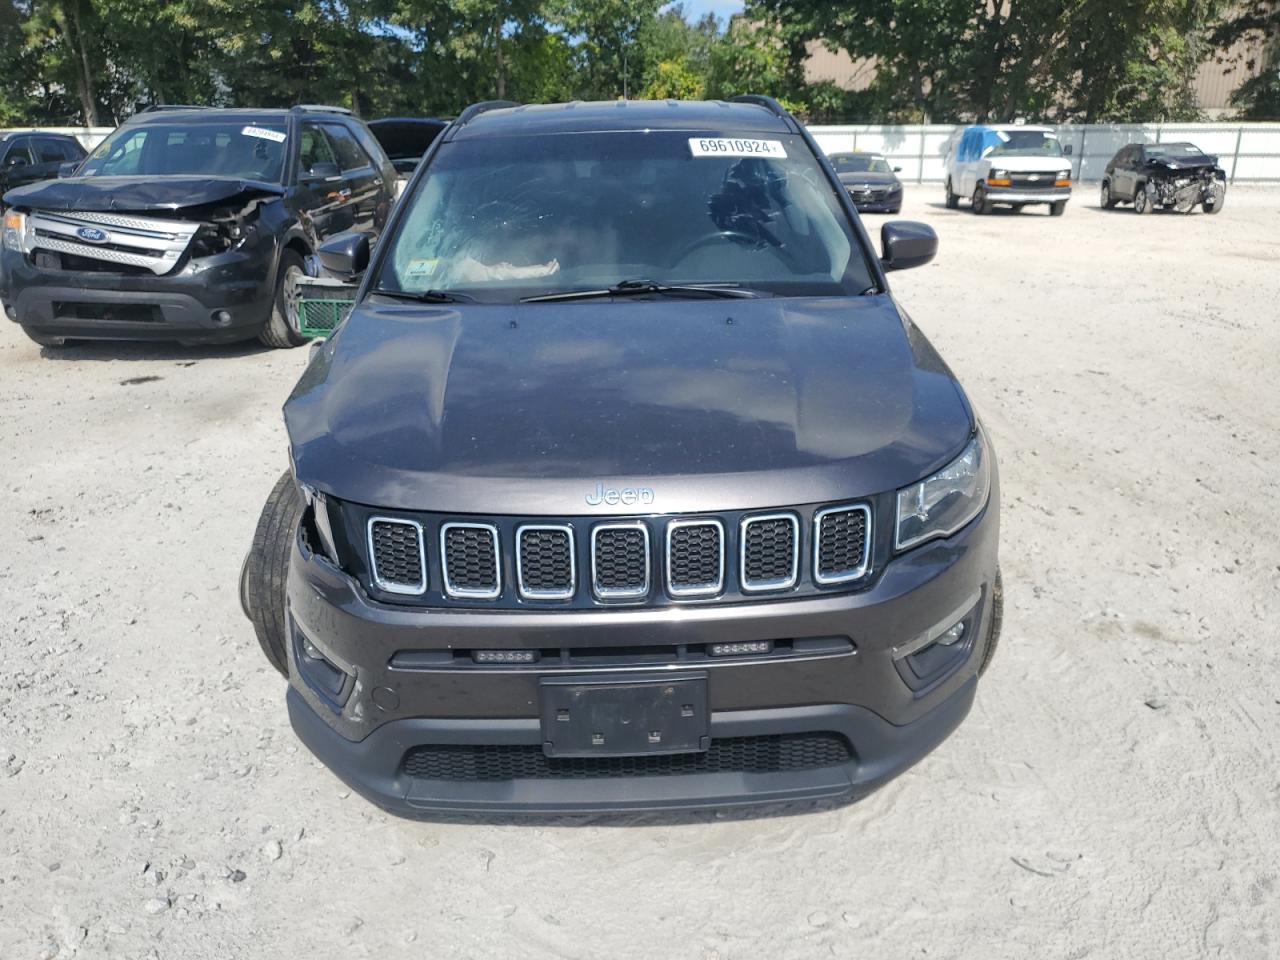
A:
[946,632]
[740,649]
[222,317]
[505,656]
[312,651]
[952,635]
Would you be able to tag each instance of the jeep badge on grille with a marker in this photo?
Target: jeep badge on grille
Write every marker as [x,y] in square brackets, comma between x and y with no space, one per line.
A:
[614,496]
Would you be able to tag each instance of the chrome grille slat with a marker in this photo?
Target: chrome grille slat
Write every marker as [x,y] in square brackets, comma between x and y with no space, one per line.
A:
[695,558]
[470,561]
[841,543]
[769,552]
[620,560]
[546,568]
[397,556]
[165,240]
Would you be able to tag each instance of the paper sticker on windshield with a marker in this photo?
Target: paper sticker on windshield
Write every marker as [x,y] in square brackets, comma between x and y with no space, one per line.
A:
[263,134]
[736,147]
[422,267]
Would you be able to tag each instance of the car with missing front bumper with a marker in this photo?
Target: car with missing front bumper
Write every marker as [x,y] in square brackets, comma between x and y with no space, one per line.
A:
[627,484]
[190,224]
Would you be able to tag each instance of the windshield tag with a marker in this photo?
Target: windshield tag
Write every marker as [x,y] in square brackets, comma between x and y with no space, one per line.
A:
[735,147]
[263,134]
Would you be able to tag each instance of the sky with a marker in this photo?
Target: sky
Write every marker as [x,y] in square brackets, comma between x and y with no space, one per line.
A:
[723,9]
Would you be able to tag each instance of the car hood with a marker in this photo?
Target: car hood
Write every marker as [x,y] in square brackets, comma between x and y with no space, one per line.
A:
[880,179]
[524,409]
[134,194]
[1029,164]
[1185,162]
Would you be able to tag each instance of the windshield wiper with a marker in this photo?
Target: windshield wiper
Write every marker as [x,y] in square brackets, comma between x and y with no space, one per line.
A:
[631,288]
[426,296]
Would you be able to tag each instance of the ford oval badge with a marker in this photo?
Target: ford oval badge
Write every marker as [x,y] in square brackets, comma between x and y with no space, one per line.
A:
[93,235]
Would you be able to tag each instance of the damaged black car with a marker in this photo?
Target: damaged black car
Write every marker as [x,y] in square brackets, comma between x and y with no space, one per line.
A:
[1151,176]
[191,224]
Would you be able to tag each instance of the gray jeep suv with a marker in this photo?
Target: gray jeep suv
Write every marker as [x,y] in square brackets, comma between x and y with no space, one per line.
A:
[627,484]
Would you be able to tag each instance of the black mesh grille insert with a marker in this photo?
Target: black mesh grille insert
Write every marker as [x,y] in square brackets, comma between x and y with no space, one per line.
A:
[546,565]
[769,551]
[621,561]
[842,542]
[397,554]
[695,557]
[767,754]
[471,560]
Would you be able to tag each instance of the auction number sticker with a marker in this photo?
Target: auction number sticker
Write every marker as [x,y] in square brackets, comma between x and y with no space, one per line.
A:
[735,147]
[262,133]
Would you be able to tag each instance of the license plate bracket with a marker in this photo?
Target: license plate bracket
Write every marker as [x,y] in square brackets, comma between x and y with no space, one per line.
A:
[596,717]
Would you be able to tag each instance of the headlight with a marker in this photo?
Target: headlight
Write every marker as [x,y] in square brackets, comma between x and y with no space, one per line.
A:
[15,225]
[999,174]
[940,505]
[1064,174]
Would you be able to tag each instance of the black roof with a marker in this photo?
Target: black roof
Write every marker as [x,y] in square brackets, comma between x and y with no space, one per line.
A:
[35,133]
[229,114]
[710,116]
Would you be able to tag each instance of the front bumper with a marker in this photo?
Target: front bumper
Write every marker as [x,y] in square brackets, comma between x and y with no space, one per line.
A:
[176,306]
[1013,195]
[397,687]
[890,203]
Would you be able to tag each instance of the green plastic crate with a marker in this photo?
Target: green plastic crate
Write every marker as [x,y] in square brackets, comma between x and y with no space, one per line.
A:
[322,306]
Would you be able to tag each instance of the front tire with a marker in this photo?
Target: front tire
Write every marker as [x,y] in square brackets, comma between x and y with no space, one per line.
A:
[979,202]
[1141,200]
[1106,201]
[281,329]
[953,201]
[266,569]
[1058,208]
[1216,198]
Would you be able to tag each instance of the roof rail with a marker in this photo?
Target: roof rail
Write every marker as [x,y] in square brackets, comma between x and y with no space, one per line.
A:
[156,107]
[319,108]
[770,104]
[473,111]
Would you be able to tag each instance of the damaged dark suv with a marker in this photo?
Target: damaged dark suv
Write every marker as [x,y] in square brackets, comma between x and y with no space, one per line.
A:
[627,483]
[191,224]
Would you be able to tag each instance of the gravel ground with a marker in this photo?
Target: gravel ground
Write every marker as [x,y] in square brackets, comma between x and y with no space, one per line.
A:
[1114,793]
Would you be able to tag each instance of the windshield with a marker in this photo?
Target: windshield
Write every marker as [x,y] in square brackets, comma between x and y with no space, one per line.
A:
[1026,143]
[1174,150]
[845,163]
[252,151]
[503,218]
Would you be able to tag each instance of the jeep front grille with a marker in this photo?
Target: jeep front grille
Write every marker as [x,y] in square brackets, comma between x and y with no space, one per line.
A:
[770,552]
[841,545]
[620,560]
[397,558]
[469,565]
[695,558]
[545,566]
[586,562]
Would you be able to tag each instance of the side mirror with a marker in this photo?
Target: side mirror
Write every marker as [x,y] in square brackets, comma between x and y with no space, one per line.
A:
[323,171]
[897,169]
[69,168]
[1066,151]
[346,255]
[907,244]
[17,160]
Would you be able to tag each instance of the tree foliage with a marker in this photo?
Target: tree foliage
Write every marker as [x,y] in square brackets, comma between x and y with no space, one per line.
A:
[97,61]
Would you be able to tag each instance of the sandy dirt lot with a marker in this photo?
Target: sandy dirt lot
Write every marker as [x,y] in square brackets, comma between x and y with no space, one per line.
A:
[1114,794]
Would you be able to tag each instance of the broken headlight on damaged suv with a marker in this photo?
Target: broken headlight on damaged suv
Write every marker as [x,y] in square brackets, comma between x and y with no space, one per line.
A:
[942,503]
